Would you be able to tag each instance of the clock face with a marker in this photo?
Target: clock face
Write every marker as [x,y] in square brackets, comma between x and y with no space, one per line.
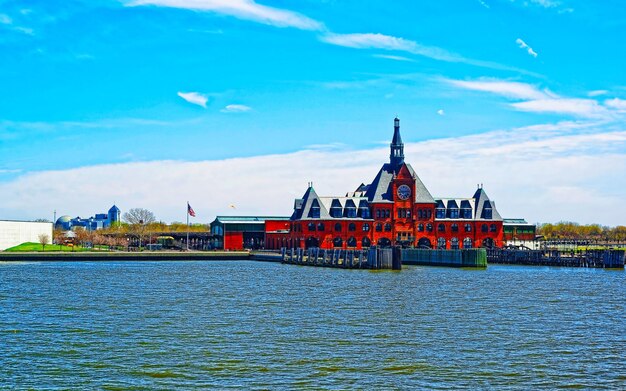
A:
[404,192]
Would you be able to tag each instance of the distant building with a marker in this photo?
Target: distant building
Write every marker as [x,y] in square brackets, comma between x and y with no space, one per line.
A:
[518,232]
[239,232]
[14,233]
[99,221]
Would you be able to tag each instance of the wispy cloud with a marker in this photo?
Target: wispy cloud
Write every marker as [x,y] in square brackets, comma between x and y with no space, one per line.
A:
[597,92]
[5,19]
[195,98]
[392,57]
[525,46]
[541,101]
[236,109]
[509,89]
[484,4]
[579,107]
[241,9]
[441,112]
[448,167]
[388,42]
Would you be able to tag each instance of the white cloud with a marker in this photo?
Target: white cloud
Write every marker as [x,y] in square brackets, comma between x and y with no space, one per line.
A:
[597,93]
[616,103]
[523,45]
[508,89]
[195,98]
[392,57]
[578,107]
[242,9]
[484,4]
[540,101]
[236,109]
[542,173]
[441,112]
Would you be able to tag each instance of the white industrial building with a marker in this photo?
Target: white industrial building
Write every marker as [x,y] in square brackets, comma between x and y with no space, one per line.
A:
[13,233]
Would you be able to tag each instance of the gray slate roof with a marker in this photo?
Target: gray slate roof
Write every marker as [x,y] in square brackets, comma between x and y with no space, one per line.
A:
[483,202]
[380,190]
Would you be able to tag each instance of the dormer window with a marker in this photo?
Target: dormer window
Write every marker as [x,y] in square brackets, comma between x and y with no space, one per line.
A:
[314,212]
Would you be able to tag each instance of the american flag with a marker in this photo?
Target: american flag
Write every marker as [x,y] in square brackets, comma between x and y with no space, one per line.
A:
[190,210]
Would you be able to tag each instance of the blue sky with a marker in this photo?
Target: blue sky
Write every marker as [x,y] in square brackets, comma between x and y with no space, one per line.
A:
[98,86]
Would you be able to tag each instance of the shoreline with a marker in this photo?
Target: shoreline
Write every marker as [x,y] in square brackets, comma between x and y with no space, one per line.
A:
[125,256]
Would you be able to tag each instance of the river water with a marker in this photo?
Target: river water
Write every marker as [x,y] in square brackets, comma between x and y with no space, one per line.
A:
[252,325]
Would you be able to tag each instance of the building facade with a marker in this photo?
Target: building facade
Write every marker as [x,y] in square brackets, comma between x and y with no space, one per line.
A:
[396,208]
[14,233]
[245,232]
[99,221]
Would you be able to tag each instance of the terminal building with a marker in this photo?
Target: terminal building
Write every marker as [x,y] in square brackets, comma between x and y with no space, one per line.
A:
[396,208]
[99,221]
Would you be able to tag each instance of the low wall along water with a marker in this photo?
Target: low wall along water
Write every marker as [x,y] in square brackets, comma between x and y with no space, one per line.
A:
[476,257]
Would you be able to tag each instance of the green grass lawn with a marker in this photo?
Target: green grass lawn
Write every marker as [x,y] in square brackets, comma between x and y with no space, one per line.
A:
[36,247]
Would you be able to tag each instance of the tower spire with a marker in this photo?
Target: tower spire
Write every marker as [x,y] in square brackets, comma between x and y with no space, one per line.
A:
[396,157]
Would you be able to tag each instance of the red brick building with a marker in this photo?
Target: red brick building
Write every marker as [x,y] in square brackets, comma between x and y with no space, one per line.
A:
[395,209]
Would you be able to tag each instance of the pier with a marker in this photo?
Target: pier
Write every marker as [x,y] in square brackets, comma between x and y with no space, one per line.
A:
[607,259]
[374,258]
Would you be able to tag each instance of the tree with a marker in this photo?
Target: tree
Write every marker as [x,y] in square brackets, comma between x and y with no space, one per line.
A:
[139,220]
[44,239]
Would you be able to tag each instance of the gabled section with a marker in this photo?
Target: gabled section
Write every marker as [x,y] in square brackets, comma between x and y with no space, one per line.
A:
[422,195]
[309,207]
[380,190]
[485,208]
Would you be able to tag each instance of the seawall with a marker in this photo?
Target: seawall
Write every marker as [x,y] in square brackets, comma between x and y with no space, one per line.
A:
[124,256]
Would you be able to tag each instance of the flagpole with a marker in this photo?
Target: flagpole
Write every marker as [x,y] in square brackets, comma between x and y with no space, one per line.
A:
[187,211]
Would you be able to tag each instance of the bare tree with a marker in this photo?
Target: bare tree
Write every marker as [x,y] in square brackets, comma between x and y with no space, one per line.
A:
[43,240]
[140,220]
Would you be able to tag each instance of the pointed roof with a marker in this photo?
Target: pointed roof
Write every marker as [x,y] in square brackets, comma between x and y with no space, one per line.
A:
[309,199]
[397,139]
[381,189]
[483,202]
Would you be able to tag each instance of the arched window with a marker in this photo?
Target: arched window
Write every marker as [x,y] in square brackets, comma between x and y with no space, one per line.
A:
[429,227]
[384,242]
[484,228]
[352,227]
[454,243]
[441,227]
[441,243]
[454,227]
[420,227]
[468,228]
[311,227]
[467,243]
[387,227]
[424,243]
[338,227]
[337,242]
[366,242]
[351,242]
[310,242]
[492,228]
[320,226]
[366,227]
[379,227]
